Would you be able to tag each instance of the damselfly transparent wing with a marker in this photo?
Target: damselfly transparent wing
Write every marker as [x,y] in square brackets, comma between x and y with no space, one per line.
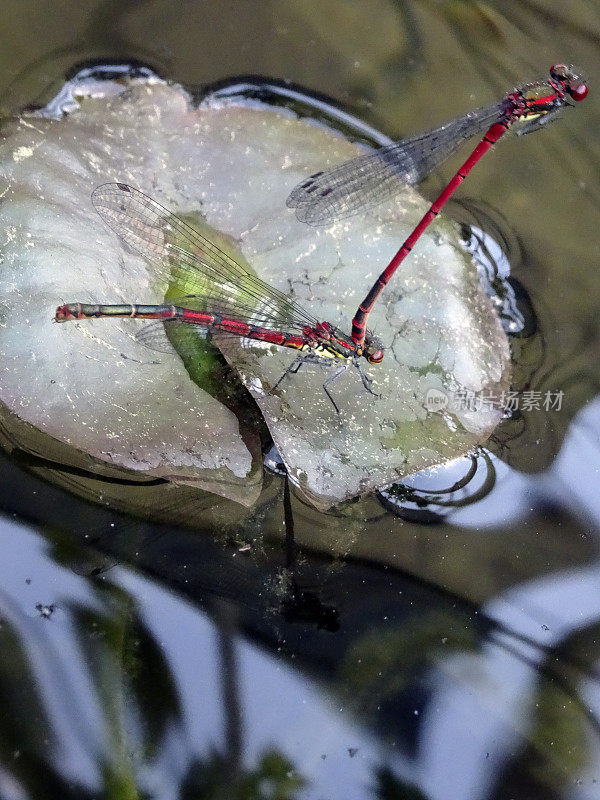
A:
[159,335]
[345,190]
[217,283]
[154,334]
[370,179]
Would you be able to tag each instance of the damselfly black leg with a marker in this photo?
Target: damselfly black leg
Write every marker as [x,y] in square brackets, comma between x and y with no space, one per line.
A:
[297,363]
[315,359]
[366,381]
[331,379]
[544,120]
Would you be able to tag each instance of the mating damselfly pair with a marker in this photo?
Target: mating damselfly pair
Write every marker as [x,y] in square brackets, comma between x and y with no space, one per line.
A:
[225,296]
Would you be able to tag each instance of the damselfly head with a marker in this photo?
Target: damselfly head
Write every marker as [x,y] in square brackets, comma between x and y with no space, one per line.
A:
[373,348]
[570,80]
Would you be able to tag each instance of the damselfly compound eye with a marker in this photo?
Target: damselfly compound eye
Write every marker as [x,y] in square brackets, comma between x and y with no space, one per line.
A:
[376,357]
[567,75]
[579,92]
[559,70]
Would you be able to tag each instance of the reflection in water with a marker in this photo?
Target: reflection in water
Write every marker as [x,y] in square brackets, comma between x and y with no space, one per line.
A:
[494,270]
[428,495]
[298,602]
[107,695]
[98,671]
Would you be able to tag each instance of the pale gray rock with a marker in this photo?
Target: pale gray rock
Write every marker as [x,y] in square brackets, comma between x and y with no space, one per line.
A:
[91,384]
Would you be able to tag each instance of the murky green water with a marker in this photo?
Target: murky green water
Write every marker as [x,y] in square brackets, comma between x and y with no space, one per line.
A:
[440,643]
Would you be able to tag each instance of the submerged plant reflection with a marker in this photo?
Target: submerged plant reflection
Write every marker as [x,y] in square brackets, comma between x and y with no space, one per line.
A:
[137,706]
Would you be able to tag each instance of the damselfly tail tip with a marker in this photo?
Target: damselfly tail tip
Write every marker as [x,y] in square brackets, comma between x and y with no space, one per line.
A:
[64,313]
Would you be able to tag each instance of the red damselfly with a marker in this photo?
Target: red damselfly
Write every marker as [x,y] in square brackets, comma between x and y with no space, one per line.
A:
[369,179]
[224,295]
